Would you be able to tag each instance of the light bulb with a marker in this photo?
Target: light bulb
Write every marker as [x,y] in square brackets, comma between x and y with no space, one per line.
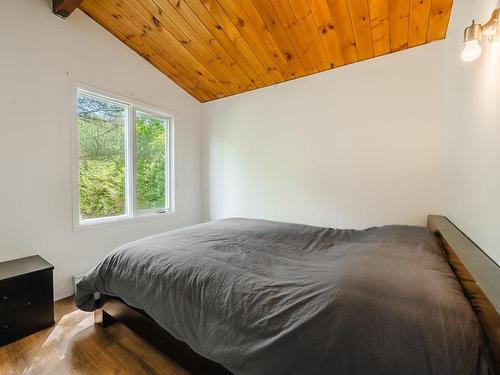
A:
[472,50]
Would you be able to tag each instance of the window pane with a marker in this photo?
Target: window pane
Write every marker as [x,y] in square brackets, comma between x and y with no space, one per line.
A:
[151,140]
[101,137]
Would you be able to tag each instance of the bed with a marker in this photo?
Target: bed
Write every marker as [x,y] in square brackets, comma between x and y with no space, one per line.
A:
[250,296]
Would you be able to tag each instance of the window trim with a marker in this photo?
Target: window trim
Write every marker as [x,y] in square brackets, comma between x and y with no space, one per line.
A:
[131,213]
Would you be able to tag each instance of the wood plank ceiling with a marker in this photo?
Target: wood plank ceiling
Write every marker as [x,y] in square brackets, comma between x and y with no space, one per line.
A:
[217,48]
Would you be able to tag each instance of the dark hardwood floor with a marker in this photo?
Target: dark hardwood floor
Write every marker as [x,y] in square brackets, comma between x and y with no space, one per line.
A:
[74,345]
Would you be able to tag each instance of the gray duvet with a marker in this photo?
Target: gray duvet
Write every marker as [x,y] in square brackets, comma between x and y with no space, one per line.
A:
[264,297]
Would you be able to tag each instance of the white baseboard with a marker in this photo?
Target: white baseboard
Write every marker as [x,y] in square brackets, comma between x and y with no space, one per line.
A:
[63,292]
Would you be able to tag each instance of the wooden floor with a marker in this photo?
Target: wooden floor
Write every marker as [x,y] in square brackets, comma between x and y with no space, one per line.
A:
[74,345]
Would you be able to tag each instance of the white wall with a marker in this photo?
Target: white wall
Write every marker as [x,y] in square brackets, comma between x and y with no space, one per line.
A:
[37,50]
[353,147]
[473,131]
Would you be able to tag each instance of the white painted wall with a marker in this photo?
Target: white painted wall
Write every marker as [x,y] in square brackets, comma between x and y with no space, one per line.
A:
[37,50]
[473,131]
[354,147]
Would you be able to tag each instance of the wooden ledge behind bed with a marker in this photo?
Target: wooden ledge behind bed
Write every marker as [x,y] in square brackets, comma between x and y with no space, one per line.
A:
[478,274]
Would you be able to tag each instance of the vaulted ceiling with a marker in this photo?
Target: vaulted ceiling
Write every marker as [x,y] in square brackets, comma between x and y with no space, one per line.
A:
[217,48]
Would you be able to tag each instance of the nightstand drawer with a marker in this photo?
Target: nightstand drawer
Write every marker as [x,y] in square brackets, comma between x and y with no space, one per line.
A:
[25,320]
[11,328]
[12,295]
[19,293]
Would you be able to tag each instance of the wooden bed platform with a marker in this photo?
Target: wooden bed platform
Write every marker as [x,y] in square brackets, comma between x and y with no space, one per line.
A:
[139,322]
[477,273]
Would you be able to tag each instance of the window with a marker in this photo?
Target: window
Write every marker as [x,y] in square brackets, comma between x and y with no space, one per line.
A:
[123,159]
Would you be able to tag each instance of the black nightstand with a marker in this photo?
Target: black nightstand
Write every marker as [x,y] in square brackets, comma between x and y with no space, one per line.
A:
[26,297]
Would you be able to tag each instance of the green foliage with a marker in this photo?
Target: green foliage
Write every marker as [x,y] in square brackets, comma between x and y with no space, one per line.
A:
[102,188]
[150,148]
[102,159]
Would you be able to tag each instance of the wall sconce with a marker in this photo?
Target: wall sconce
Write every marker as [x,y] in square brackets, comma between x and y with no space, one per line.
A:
[473,33]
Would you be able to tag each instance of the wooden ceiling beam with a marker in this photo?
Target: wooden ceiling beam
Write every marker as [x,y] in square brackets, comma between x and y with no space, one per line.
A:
[63,8]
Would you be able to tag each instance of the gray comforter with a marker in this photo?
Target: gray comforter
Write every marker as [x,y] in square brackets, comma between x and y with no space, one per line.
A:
[264,297]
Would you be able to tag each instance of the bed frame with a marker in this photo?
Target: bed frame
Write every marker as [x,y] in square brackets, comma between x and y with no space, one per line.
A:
[478,274]
[115,310]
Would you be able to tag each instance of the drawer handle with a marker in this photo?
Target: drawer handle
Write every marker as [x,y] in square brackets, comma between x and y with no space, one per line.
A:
[27,304]
[5,326]
[4,298]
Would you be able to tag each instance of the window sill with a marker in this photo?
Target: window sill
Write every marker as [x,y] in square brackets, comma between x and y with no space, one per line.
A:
[117,220]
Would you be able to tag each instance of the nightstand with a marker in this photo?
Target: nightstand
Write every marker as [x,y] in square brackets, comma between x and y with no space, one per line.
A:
[26,297]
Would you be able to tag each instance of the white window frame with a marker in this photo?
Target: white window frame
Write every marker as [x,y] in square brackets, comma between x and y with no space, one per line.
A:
[131,211]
